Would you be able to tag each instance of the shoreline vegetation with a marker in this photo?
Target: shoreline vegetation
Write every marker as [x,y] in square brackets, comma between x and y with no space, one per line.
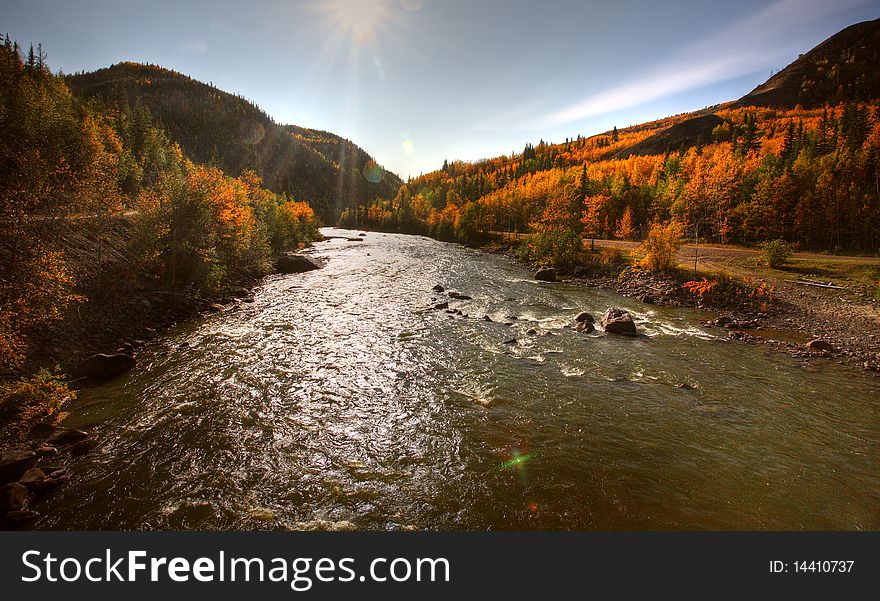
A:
[108,234]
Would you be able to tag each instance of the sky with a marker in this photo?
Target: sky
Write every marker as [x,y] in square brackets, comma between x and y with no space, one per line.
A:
[415,82]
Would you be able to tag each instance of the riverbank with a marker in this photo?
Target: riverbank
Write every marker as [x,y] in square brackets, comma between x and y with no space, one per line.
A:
[117,313]
[807,322]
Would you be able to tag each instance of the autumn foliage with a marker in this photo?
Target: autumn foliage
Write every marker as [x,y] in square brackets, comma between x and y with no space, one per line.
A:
[71,169]
[810,177]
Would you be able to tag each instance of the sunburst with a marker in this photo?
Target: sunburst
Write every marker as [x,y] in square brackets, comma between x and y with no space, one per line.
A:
[359,18]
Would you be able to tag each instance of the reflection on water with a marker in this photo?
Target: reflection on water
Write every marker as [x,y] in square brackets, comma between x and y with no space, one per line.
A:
[337,401]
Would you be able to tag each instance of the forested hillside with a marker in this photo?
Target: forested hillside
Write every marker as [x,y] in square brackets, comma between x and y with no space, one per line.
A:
[70,173]
[766,167]
[217,128]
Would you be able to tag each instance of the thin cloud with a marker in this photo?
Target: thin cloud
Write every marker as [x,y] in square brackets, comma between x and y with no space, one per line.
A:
[747,47]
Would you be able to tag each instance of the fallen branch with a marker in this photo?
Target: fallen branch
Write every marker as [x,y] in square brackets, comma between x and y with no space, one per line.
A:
[816,284]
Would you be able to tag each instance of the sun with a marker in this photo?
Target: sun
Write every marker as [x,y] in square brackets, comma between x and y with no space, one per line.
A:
[360,18]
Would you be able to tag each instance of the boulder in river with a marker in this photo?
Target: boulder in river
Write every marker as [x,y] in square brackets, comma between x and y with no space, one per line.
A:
[584,316]
[14,519]
[585,326]
[294,263]
[33,477]
[438,288]
[83,447]
[820,345]
[620,322]
[546,274]
[12,467]
[440,306]
[12,497]
[64,436]
[103,366]
[458,295]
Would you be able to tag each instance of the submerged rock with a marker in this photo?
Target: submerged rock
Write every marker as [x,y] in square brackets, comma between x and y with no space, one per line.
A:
[11,468]
[585,326]
[294,263]
[820,345]
[32,477]
[83,447]
[584,316]
[103,366]
[458,295]
[443,305]
[619,322]
[68,436]
[12,497]
[17,518]
[546,274]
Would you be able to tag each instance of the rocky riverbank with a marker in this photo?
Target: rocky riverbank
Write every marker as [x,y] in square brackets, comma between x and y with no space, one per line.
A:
[95,341]
[808,323]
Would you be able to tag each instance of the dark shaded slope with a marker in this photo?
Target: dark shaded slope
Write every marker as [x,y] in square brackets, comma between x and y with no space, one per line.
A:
[695,131]
[219,128]
[844,67]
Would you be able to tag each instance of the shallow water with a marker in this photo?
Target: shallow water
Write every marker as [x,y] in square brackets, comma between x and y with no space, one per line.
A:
[337,401]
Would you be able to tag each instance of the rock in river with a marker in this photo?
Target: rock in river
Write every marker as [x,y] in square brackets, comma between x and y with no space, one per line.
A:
[64,436]
[546,274]
[11,468]
[458,295]
[294,263]
[12,497]
[820,345]
[620,322]
[585,326]
[584,316]
[105,366]
[32,477]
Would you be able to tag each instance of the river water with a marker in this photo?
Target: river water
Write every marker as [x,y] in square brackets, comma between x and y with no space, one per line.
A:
[337,401]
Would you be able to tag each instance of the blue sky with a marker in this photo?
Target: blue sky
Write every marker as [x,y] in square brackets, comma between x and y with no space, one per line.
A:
[418,81]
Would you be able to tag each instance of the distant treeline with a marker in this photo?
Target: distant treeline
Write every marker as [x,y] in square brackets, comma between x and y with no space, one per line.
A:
[810,177]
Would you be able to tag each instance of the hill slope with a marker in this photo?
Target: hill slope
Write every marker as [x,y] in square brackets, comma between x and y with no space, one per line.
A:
[844,67]
[219,128]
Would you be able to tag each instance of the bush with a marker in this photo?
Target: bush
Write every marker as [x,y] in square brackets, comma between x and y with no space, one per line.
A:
[34,397]
[558,247]
[723,290]
[614,257]
[658,252]
[776,253]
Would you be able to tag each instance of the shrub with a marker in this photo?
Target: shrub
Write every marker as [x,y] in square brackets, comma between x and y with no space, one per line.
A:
[614,257]
[559,247]
[722,290]
[776,253]
[658,252]
[34,397]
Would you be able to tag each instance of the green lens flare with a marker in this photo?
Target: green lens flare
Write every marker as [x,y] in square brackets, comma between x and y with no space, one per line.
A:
[517,461]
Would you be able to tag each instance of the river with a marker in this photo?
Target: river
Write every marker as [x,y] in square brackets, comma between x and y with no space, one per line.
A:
[337,401]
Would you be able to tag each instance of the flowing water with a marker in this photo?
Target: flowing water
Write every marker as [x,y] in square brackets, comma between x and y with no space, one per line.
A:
[336,400]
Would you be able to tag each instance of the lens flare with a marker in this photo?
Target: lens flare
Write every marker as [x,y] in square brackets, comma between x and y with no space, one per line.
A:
[373,172]
[360,18]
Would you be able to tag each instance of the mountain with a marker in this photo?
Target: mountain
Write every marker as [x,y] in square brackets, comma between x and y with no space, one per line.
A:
[797,159]
[218,128]
[844,67]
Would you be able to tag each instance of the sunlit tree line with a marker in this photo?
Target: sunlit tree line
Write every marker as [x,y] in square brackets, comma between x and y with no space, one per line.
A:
[810,177]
